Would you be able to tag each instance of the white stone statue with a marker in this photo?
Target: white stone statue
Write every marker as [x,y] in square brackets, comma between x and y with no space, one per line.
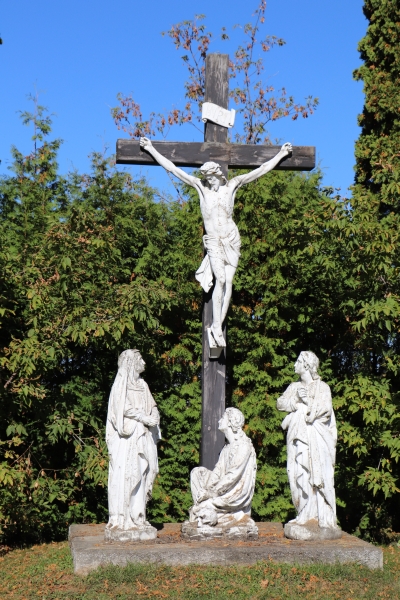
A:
[222,239]
[222,497]
[311,449]
[132,433]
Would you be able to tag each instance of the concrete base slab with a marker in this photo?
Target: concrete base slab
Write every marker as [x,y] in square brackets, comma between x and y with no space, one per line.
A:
[90,550]
[311,531]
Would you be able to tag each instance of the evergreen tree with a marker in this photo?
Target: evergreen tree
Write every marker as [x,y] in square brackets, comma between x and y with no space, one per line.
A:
[107,267]
[83,262]
[377,149]
[368,386]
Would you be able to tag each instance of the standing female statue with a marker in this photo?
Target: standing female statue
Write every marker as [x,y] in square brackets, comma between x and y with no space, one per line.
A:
[132,433]
[311,449]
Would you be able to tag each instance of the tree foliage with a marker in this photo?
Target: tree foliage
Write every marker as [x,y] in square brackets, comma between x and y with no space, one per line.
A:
[96,263]
[377,150]
[255,102]
[369,382]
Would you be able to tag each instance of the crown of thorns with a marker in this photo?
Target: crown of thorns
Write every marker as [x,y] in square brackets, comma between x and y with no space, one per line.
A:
[211,167]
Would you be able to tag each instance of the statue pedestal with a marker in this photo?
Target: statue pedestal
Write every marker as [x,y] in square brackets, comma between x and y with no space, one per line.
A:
[243,530]
[90,550]
[138,534]
[311,531]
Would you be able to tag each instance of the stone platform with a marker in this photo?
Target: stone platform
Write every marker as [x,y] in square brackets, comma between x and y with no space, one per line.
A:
[90,550]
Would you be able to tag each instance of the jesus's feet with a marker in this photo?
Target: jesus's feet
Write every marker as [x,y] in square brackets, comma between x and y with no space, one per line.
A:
[218,336]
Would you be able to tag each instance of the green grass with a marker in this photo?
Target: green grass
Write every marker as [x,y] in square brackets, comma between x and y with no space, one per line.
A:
[45,572]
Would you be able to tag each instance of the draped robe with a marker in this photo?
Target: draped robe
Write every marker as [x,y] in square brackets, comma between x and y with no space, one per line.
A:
[311,450]
[132,448]
[232,480]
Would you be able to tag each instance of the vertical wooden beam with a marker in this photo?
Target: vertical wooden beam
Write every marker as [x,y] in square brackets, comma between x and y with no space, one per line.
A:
[217,91]
[213,370]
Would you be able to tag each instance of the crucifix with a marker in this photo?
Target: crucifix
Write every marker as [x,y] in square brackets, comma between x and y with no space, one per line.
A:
[222,239]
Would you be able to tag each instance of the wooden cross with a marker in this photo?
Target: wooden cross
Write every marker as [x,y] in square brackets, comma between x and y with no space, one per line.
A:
[239,156]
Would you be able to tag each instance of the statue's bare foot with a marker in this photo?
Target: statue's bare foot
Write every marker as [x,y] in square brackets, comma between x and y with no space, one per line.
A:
[218,336]
[112,523]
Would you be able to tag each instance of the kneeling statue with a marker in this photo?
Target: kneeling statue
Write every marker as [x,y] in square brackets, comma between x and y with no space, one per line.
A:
[222,497]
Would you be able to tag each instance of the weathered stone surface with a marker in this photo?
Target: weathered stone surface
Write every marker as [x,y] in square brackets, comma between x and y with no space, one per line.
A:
[242,530]
[270,530]
[311,531]
[90,550]
[138,534]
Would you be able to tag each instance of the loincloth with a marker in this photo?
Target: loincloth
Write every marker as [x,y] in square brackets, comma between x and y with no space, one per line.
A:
[226,250]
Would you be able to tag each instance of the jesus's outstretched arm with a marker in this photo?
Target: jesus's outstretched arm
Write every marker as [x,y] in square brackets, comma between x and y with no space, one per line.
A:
[240,180]
[168,165]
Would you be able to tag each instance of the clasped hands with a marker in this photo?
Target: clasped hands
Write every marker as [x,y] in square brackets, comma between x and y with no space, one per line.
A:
[205,495]
[302,393]
[209,491]
[150,421]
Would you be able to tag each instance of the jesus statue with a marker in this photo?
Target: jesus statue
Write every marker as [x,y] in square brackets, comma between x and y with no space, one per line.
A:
[222,239]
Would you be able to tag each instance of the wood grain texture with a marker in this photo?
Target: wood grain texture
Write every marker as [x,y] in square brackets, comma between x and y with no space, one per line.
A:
[234,156]
[242,156]
[213,371]
[217,92]
[213,375]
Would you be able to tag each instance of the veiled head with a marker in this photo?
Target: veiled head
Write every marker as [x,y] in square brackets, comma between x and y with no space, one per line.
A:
[129,359]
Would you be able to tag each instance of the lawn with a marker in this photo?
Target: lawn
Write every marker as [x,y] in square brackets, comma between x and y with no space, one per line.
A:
[45,572]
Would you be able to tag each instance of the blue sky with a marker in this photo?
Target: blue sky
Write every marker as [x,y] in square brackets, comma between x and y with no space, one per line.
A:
[79,55]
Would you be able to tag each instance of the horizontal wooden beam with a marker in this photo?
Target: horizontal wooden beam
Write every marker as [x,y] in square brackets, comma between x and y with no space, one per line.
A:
[195,154]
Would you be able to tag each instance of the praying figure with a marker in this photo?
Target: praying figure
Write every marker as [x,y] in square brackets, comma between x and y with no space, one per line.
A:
[222,239]
[132,433]
[311,450]
[222,497]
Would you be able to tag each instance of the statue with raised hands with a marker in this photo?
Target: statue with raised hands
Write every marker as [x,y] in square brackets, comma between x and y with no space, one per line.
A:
[222,497]
[132,433]
[311,450]
[222,239]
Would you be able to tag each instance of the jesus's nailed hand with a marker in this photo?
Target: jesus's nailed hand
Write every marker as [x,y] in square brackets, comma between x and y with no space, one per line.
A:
[287,148]
[145,143]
